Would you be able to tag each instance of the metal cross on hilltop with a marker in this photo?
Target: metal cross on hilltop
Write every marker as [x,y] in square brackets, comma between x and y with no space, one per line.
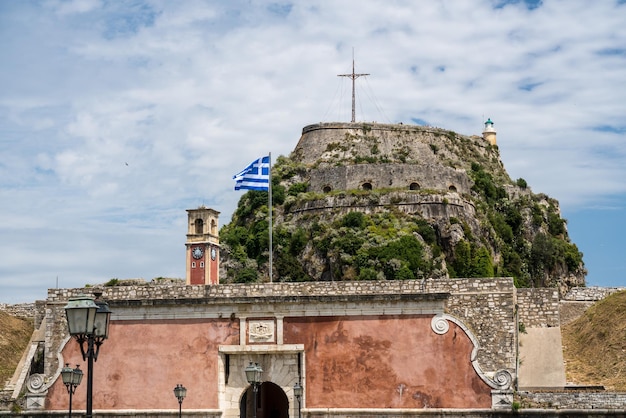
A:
[353,76]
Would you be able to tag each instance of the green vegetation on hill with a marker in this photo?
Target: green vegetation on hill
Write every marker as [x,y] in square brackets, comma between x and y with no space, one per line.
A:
[15,334]
[594,345]
[511,233]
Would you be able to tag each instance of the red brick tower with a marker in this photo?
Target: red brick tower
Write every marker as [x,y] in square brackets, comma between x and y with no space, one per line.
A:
[203,246]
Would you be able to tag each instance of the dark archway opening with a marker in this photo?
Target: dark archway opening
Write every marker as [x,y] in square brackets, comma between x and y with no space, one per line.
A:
[326,189]
[271,402]
[414,186]
[199,226]
[366,186]
[452,188]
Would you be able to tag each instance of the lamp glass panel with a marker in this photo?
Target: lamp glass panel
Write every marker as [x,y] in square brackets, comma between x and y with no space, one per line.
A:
[66,374]
[80,313]
[180,391]
[77,376]
[101,322]
[297,389]
[251,373]
[257,376]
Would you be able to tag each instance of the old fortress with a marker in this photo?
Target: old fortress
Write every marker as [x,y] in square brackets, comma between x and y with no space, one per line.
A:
[444,347]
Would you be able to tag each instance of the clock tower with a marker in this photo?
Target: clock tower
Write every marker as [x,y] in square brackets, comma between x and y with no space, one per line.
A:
[203,247]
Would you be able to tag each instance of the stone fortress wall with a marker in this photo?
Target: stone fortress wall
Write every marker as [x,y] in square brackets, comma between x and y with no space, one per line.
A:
[394,149]
[487,307]
[470,298]
[388,175]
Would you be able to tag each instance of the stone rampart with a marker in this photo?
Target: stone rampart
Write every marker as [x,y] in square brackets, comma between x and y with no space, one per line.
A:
[593,293]
[22,310]
[485,306]
[578,299]
[331,143]
[538,307]
[574,399]
[382,176]
[426,205]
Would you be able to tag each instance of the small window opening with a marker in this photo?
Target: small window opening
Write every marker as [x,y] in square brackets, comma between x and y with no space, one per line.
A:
[199,226]
[366,186]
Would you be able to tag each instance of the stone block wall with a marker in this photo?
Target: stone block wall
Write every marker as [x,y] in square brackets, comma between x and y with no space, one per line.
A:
[22,310]
[578,299]
[586,400]
[485,306]
[383,176]
[538,307]
[426,205]
[592,294]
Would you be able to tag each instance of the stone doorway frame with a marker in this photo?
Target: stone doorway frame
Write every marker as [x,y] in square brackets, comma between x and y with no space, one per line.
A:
[283,365]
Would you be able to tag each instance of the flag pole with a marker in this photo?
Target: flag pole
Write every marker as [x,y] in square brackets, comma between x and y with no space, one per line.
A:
[269,197]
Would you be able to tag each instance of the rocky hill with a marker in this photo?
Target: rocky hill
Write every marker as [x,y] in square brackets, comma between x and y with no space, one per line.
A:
[359,201]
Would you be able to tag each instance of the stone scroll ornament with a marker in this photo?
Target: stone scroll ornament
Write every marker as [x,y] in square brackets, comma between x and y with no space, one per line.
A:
[36,383]
[501,380]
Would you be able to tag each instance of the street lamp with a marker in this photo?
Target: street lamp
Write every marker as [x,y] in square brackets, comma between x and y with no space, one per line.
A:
[297,391]
[71,379]
[88,322]
[180,392]
[253,376]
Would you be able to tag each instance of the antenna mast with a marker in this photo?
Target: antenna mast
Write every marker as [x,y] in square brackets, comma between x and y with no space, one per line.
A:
[353,76]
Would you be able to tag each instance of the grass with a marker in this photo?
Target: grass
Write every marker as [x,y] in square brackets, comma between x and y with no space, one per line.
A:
[594,346]
[15,334]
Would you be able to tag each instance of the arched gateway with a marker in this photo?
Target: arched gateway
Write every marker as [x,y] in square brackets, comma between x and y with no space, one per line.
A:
[282,368]
[271,402]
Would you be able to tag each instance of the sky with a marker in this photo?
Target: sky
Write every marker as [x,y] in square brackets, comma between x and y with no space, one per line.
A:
[117,116]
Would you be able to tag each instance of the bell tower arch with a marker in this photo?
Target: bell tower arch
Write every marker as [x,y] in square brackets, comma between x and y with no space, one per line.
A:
[202,246]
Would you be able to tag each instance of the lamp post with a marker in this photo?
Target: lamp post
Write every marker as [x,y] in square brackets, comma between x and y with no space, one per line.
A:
[253,376]
[88,323]
[71,379]
[180,392]
[297,391]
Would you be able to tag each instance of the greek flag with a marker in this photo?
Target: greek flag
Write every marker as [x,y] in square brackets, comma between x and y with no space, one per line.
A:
[256,176]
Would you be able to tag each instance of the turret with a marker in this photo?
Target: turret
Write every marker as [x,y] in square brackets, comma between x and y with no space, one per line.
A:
[489,133]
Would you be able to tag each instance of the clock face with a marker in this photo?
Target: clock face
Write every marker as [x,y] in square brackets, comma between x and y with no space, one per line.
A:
[213,253]
[197,252]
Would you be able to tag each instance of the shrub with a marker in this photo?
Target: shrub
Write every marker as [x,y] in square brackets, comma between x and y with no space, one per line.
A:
[298,241]
[426,231]
[354,220]
[289,269]
[246,275]
[297,188]
[367,273]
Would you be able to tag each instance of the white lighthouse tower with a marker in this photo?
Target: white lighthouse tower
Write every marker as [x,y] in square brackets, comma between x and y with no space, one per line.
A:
[489,133]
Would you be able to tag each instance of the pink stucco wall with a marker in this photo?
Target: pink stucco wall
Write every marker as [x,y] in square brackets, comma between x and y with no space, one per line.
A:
[392,361]
[386,362]
[142,361]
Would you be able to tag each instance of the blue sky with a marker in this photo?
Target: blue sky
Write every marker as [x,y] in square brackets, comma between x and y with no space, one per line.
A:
[117,116]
